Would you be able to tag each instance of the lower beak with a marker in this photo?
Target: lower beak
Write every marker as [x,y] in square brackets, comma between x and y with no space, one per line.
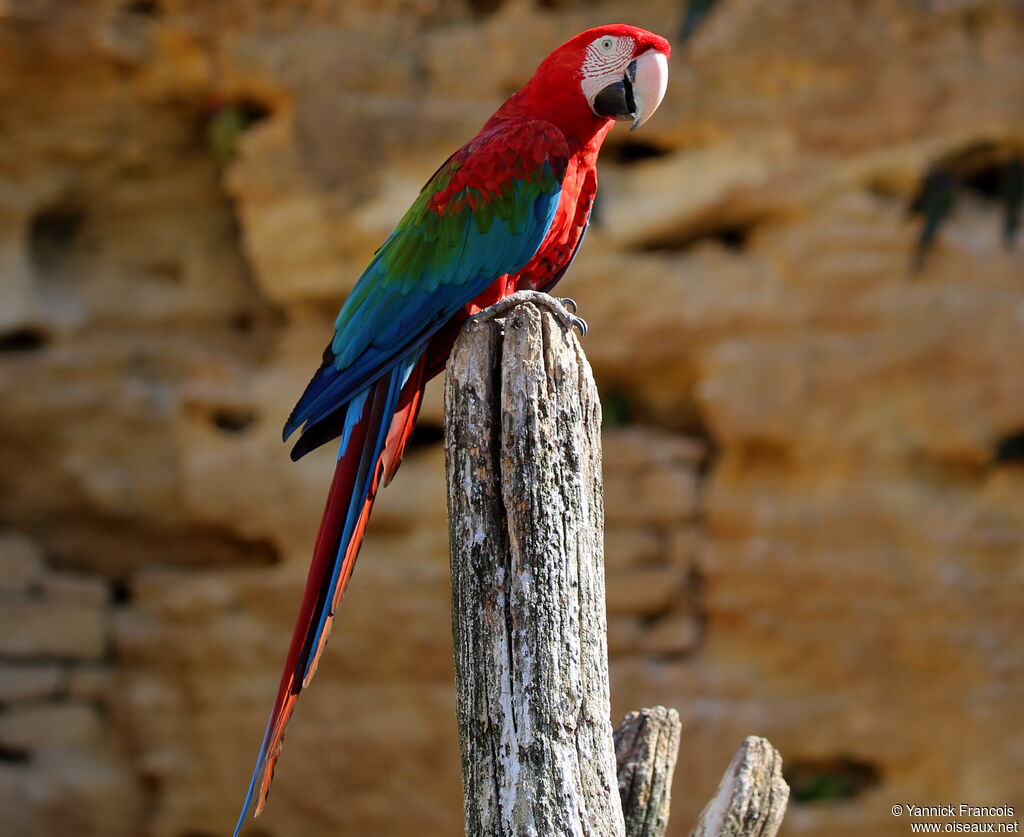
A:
[650,81]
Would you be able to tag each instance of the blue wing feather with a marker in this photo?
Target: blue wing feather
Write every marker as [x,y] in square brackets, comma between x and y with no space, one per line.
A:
[385,317]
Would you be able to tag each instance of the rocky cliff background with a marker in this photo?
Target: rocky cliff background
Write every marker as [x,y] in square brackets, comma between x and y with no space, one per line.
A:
[814,444]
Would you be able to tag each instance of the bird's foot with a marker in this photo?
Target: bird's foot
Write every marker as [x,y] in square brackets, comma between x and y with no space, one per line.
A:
[564,310]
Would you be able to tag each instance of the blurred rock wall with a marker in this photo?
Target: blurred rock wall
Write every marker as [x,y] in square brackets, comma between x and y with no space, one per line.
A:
[814,451]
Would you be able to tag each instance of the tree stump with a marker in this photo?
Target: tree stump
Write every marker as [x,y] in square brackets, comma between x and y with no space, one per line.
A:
[646,745]
[752,796]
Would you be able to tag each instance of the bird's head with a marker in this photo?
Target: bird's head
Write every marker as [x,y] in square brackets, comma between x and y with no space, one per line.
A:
[623,72]
[611,72]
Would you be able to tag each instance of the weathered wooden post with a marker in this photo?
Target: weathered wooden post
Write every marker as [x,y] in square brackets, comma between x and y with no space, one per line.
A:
[526,518]
[752,796]
[646,746]
[523,448]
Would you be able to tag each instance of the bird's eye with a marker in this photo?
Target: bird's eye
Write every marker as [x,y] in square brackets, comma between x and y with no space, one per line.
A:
[607,44]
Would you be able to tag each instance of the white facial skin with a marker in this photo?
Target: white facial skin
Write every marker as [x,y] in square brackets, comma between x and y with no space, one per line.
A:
[606,60]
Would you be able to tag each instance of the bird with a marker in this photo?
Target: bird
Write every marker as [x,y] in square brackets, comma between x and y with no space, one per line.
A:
[500,221]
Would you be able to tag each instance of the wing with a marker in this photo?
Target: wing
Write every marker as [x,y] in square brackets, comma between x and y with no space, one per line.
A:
[482,215]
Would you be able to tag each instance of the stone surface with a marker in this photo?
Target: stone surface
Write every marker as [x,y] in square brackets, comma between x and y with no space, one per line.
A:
[38,628]
[46,726]
[29,682]
[813,453]
[20,563]
[75,588]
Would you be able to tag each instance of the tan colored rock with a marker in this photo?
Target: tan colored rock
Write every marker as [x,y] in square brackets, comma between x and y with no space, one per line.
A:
[90,682]
[658,496]
[50,629]
[643,591]
[48,726]
[686,546]
[674,635]
[287,231]
[72,792]
[629,546]
[636,448]
[73,588]
[624,635]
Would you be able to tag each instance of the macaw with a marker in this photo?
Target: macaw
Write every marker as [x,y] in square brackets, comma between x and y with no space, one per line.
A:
[503,216]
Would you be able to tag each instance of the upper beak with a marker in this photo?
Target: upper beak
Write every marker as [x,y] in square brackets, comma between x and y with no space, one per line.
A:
[648,75]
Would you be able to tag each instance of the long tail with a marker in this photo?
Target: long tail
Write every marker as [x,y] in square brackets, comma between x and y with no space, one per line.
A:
[378,423]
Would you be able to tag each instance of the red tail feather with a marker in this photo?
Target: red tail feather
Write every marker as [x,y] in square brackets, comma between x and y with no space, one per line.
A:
[328,544]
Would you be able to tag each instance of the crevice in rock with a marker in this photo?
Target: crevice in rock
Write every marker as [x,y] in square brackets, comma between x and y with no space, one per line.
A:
[143,8]
[651,618]
[232,420]
[24,339]
[616,407]
[829,779]
[1009,450]
[483,8]
[972,21]
[53,233]
[988,170]
[227,119]
[633,151]
[121,592]
[111,546]
[14,755]
[243,322]
[696,427]
[732,234]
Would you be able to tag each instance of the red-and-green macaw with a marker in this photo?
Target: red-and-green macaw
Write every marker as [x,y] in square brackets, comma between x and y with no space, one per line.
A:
[504,214]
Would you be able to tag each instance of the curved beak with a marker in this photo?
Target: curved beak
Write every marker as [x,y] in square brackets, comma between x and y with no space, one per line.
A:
[648,75]
[637,95]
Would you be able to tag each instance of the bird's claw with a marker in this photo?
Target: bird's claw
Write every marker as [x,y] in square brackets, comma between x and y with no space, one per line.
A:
[563,309]
[577,323]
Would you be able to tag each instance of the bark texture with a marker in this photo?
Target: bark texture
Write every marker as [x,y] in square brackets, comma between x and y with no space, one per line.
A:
[752,796]
[646,746]
[523,456]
